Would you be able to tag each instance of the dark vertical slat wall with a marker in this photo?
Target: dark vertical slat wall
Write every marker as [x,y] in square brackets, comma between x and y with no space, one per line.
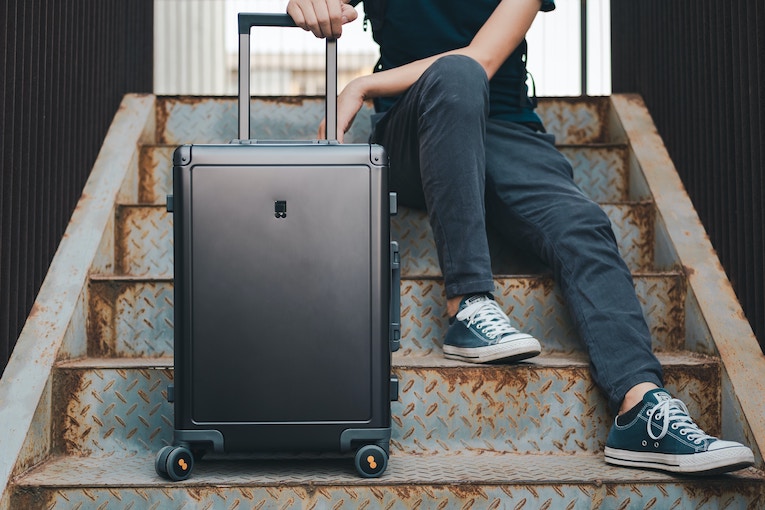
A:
[64,67]
[700,67]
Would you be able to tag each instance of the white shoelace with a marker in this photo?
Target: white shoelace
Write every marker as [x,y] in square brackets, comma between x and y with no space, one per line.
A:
[488,318]
[675,414]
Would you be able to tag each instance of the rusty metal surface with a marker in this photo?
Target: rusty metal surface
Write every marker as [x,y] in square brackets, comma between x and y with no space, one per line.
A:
[715,301]
[121,410]
[633,226]
[536,306]
[130,317]
[143,240]
[500,482]
[155,174]
[548,406]
[213,120]
[576,120]
[23,385]
[111,415]
[134,316]
[601,171]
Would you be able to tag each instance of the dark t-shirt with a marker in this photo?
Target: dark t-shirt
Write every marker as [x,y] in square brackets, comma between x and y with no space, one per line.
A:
[409,30]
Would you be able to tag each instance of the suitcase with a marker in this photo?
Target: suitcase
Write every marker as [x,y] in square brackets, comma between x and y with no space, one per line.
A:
[286,288]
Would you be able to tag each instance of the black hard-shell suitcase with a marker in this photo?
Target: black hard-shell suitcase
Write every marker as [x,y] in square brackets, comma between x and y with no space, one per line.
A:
[286,293]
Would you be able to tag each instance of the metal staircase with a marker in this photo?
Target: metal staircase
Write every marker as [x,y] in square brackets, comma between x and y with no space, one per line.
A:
[84,398]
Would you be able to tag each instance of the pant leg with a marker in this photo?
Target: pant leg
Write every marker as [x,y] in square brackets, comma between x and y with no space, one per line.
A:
[434,136]
[531,199]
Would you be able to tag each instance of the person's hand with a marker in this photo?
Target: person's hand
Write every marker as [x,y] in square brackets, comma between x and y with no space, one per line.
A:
[325,18]
[349,102]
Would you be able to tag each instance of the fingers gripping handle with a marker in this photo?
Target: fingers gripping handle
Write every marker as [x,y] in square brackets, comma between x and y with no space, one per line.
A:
[246,22]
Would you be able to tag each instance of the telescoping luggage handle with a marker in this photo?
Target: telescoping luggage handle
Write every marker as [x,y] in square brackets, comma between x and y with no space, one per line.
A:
[246,22]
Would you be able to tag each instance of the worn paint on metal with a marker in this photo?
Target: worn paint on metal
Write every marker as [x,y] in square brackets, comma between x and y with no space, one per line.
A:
[120,410]
[143,240]
[457,428]
[717,304]
[213,120]
[537,306]
[130,317]
[155,176]
[426,481]
[133,316]
[632,224]
[548,406]
[601,171]
[575,120]
[24,382]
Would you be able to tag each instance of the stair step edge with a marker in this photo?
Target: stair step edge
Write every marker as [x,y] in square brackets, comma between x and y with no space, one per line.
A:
[429,361]
[465,468]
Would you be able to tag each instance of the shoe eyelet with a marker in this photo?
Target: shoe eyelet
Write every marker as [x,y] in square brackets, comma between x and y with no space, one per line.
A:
[645,443]
[656,445]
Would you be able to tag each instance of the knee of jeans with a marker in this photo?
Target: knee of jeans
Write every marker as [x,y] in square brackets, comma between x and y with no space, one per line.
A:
[457,83]
[575,228]
[590,223]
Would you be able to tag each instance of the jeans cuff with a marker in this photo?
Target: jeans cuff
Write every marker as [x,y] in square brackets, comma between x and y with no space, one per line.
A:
[474,287]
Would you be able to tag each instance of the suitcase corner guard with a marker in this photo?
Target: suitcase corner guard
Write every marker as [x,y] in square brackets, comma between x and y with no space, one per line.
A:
[380,437]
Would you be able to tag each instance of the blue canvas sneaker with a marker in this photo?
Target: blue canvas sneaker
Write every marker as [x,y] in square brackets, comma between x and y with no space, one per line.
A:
[481,332]
[663,436]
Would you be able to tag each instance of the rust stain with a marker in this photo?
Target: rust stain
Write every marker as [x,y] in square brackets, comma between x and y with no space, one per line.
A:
[643,215]
[162,114]
[146,175]
[32,497]
[671,323]
[36,310]
[101,317]
[126,222]
[703,382]
[67,430]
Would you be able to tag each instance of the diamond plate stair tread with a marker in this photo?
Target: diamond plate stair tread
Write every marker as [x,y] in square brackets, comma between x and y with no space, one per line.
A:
[213,120]
[459,481]
[460,468]
[133,316]
[600,170]
[144,241]
[547,405]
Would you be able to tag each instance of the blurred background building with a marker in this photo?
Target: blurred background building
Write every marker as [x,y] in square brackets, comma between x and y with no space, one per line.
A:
[195,50]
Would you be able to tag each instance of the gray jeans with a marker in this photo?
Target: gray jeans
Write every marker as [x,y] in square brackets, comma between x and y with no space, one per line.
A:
[466,169]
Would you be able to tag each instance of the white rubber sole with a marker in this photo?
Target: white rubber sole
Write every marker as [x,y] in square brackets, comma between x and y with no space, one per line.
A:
[518,349]
[712,462]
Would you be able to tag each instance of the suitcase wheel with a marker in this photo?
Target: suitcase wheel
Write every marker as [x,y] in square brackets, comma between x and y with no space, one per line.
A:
[174,463]
[371,461]
[159,463]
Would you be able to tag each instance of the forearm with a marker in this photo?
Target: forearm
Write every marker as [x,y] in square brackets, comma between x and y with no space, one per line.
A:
[492,45]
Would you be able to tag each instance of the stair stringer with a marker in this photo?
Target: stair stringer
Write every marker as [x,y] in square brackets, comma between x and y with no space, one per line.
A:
[55,327]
